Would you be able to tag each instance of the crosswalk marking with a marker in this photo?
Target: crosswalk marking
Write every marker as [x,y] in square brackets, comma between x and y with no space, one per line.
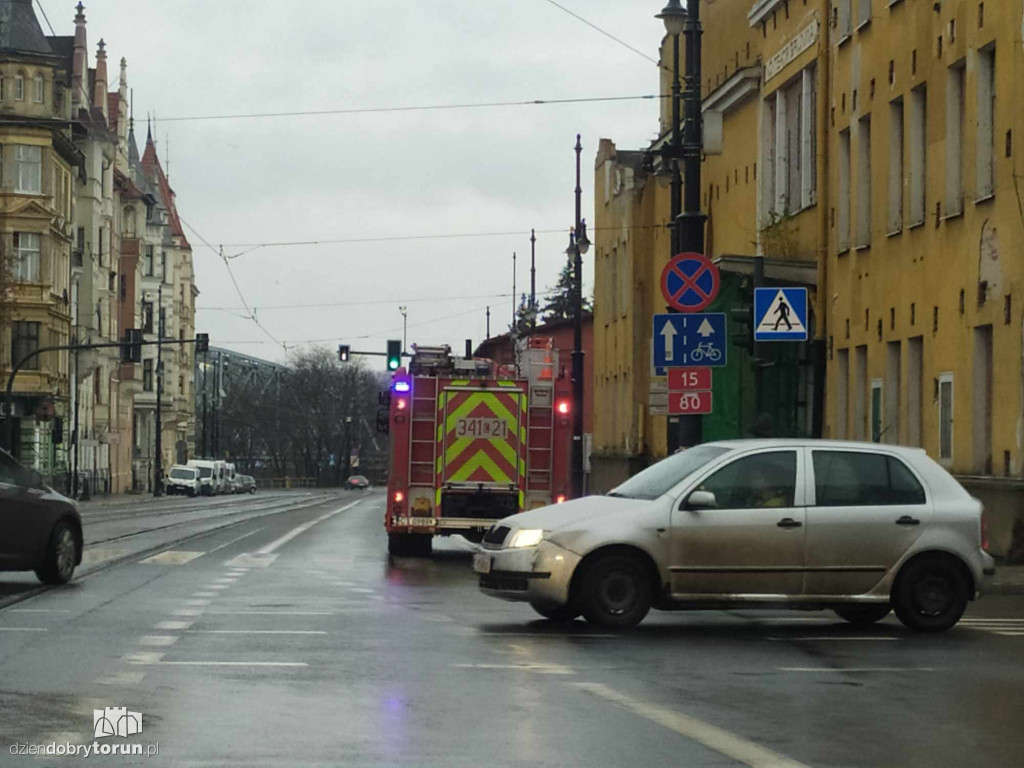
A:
[1005,627]
[172,557]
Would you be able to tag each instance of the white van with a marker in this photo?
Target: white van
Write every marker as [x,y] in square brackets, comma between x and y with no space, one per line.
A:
[230,478]
[184,480]
[207,475]
[220,473]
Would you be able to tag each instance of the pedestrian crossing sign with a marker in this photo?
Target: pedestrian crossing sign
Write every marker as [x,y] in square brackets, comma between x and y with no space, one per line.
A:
[780,314]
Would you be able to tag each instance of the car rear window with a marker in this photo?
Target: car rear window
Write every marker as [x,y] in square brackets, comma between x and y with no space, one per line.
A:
[659,478]
[858,479]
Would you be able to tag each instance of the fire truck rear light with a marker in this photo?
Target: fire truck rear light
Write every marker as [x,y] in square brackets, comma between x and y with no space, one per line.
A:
[399,497]
[560,500]
[401,403]
[563,406]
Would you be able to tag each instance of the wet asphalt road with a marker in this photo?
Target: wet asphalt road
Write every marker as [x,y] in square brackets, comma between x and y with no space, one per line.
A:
[291,639]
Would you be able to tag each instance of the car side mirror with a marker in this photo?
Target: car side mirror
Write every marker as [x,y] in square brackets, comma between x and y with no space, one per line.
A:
[699,500]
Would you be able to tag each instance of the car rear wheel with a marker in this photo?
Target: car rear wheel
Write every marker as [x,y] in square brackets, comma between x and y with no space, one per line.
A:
[556,612]
[862,615]
[616,592]
[61,555]
[930,594]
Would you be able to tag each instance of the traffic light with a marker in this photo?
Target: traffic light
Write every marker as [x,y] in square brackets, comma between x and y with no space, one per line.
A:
[131,346]
[344,353]
[202,342]
[394,354]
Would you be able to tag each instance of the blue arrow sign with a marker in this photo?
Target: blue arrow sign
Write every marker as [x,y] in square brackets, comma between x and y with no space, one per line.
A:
[780,314]
[689,339]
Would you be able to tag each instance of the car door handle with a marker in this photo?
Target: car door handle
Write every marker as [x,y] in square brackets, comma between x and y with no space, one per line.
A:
[908,520]
[789,522]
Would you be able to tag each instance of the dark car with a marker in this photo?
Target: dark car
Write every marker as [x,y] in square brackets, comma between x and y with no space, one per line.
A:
[40,530]
[245,484]
[357,483]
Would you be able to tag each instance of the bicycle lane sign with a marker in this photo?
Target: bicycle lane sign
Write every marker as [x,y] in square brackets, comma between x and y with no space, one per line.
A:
[693,339]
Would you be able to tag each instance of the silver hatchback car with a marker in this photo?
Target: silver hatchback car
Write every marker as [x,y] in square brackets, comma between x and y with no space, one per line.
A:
[858,528]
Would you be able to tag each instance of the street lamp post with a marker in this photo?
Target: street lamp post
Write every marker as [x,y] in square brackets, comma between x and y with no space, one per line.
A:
[158,463]
[686,145]
[405,321]
[578,245]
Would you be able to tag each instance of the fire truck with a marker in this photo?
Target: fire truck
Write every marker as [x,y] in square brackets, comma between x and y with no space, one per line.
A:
[473,442]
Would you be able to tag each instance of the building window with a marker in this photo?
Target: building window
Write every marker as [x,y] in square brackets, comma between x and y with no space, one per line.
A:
[845,19]
[147,262]
[163,266]
[860,384]
[24,341]
[29,163]
[955,139]
[147,316]
[19,87]
[986,122]
[129,222]
[147,375]
[843,217]
[946,418]
[917,140]
[790,146]
[39,88]
[863,13]
[864,182]
[162,330]
[26,257]
[876,411]
[842,390]
[895,166]
[915,379]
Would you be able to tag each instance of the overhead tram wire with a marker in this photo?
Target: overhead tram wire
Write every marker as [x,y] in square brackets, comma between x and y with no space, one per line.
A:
[376,302]
[607,34]
[412,108]
[238,290]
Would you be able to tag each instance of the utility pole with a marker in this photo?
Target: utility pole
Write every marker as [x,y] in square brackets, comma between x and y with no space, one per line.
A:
[158,458]
[206,376]
[513,330]
[578,245]
[488,322]
[533,280]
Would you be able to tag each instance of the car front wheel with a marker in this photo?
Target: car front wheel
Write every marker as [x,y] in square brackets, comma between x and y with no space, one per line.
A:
[931,594]
[61,554]
[616,592]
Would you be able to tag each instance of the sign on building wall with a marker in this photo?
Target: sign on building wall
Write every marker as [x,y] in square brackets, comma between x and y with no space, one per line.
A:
[803,40]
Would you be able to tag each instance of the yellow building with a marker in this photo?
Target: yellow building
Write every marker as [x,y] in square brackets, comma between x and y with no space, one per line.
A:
[36,157]
[925,264]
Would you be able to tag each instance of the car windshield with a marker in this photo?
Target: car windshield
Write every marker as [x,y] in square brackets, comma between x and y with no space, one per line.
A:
[659,478]
[183,474]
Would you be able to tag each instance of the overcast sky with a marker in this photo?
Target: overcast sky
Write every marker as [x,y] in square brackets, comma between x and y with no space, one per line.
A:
[399,174]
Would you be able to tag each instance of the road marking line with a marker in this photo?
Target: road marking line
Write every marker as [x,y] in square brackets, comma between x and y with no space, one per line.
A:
[561,635]
[23,629]
[122,678]
[361,590]
[843,670]
[299,530]
[257,632]
[837,639]
[711,736]
[251,560]
[38,610]
[540,669]
[226,580]
[204,594]
[231,663]
[188,612]
[158,640]
[142,658]
[176,625]
[229,543]
[172,557]
[273,613]
[201,601]
[218,586]
[1011,633]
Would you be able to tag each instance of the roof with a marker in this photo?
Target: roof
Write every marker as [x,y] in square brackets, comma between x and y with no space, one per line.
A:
[810,442]
[19,29]
[64,47]
[155,173]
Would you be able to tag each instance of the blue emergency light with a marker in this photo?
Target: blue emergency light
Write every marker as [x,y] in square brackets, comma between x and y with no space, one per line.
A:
[402,386]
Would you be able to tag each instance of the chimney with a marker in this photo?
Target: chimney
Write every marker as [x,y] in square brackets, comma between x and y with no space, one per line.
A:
[99,94]
[80,62]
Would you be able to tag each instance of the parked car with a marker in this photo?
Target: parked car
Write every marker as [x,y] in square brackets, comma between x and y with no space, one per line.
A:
[245,484]
[183,480]
[40,530]
[208,485]
[858,528]
[357,483]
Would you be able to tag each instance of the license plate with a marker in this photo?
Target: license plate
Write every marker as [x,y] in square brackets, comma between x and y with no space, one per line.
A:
[482,563]
[421,521]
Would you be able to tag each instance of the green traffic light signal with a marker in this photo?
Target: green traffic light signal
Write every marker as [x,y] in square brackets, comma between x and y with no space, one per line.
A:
[394,354]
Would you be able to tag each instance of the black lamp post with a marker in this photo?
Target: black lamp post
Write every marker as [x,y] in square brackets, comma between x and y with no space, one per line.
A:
[578,245]
[686,145]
